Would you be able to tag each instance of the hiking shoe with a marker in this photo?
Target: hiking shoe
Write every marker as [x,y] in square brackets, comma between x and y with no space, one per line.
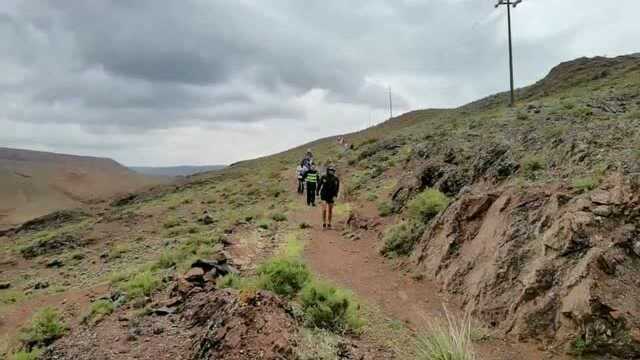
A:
[324,226]
[328,226]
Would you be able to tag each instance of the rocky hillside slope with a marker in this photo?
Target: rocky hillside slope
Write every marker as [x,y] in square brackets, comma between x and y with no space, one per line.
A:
[540,236]
[34,183]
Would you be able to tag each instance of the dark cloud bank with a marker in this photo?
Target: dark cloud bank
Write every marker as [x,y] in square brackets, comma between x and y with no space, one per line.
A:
[213,81]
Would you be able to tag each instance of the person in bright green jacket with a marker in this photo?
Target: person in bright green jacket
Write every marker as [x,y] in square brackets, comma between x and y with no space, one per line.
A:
[311,181]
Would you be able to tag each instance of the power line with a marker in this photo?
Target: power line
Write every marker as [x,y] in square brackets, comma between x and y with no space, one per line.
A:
[509,4]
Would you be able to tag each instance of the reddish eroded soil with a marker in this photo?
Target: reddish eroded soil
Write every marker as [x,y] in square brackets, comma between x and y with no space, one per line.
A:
[357,265]
[73,303]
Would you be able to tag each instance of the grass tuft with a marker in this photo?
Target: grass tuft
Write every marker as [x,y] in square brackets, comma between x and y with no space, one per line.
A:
[33,354]
[450,341]
[99,310]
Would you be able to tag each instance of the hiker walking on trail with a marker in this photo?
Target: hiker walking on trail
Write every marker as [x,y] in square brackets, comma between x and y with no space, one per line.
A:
[328,188]
[307,161]
[300,170]
[311,182]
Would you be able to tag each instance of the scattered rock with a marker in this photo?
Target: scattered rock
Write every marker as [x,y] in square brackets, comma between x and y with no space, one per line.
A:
[55,263]
[157,329]
[195,275]
[636,247]
[602,210]
[206,219]
[40,285]
[163,311]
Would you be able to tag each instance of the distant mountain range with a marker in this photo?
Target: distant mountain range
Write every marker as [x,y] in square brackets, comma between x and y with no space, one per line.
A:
[174,170]
[34,183]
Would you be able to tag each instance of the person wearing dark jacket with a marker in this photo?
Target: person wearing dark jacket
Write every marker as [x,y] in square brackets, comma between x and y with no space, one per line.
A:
[311,181]
[328,188]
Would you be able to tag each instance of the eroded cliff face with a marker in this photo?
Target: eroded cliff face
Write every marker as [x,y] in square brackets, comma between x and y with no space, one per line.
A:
[545,263]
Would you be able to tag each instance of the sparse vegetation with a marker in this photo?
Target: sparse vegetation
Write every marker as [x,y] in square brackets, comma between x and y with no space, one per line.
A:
[427,205]
[400,239]
[531,165]
[579,346]
[450,341]
[45,327]
[140,284]
[385,208]
[329,308]
[264,224]
[584,184]
[33,354]
[279,217]
[99,310]
[283,276]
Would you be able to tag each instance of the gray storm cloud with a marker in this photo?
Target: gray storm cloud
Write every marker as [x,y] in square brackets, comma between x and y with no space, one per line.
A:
[241,70]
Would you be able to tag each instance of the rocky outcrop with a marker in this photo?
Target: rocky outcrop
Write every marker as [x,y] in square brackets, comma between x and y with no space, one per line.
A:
[544,263]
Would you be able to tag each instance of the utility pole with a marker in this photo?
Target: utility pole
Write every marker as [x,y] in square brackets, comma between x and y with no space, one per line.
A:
[390,105]
[509,4]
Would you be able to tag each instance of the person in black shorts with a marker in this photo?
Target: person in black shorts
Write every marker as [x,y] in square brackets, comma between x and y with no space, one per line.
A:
[328,188]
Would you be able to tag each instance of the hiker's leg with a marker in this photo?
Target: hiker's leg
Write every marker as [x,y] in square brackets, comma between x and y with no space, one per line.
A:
[324,214]
[330,211]
[308,195]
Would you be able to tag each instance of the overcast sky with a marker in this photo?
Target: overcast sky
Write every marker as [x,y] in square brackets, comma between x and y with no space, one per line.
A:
[170,82]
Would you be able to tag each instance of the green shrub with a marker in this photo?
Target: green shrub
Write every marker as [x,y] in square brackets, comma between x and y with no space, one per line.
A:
[450,341]
[283,276]
[279,217]
[168,259]
[385,208]
[141,284]
[400,239]
[34,354]
[584,184]
[531,165]
[171,222]
[264,224]
[45,327]
[304,225]
[99,310]
[329,308]
[427,205]
[579,347]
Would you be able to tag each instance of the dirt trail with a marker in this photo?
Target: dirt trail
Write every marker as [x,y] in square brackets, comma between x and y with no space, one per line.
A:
[357,265]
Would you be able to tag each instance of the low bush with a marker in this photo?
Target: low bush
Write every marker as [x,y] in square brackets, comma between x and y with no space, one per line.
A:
[279,217]
[264,224]
[385,208]
[33,354]
[284,277]
[99,310]
[427,205]
[326,307]
[171,222]
[141,284]
[45,327]
[531,165]
[584,184]
[400,239]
